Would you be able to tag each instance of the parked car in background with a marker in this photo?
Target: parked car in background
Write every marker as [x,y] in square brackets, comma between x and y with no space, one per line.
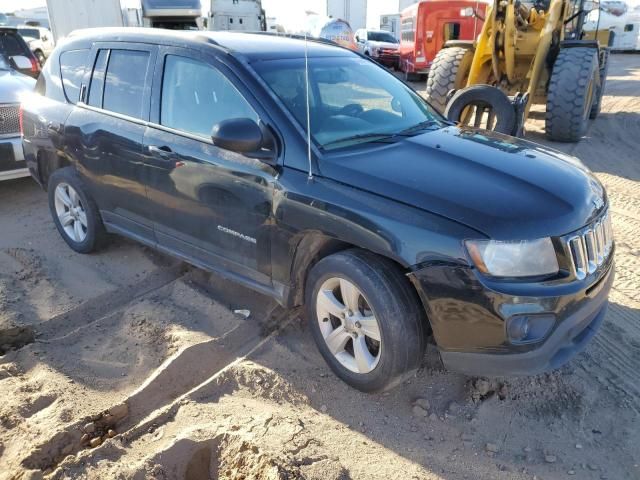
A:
[17,52]
[39,39]
[13,87]
[391,225]
[380,45]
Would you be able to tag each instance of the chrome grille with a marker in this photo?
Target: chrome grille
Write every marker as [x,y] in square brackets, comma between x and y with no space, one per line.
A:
[591,247]
[9,121]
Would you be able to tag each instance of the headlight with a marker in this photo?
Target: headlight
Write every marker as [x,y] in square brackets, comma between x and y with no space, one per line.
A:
[513,259]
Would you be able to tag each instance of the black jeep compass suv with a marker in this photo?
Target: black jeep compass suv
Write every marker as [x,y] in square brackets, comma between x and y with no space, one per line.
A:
[391,224]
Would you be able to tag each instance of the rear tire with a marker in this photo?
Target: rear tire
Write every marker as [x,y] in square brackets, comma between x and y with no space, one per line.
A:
[74,212]
[572,90]
[449,71]
[383,293]
[604,70]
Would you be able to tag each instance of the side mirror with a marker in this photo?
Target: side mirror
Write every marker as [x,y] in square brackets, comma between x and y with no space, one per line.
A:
[241,135]
[21,62]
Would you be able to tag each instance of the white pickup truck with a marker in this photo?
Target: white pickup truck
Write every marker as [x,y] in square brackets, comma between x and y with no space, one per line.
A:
[39,39]
[380,45]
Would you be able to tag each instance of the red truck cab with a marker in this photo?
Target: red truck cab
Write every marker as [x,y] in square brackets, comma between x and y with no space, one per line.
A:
[426,26]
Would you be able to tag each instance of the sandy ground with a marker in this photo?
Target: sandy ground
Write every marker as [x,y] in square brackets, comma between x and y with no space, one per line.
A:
[128,364]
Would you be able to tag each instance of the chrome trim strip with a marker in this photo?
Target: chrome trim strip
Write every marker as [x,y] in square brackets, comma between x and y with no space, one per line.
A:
[591,246]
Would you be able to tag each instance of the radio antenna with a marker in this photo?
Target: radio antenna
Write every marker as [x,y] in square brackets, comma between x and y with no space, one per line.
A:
[306,84]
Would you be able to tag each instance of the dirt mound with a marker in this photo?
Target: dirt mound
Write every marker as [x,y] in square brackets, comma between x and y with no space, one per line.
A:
[254,380]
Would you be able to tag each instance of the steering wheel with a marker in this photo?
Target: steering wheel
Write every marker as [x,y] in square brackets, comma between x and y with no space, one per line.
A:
[352,110]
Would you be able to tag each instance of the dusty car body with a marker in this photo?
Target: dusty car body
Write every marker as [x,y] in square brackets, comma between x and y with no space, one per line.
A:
[391,225]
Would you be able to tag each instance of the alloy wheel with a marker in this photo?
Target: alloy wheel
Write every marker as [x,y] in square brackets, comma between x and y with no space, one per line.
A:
[71,212]
[348,325]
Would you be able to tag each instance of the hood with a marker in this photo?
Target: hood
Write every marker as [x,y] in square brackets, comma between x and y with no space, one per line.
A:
[503,187]
[392,46]
[13,84]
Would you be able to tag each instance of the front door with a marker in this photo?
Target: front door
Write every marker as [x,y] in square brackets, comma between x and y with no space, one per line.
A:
[105,130]
[210,205]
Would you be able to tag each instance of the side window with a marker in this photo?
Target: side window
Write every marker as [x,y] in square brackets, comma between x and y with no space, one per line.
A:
[196,96]
[451,31]
[72,65]
[628,27]
[97,79]
[124,83]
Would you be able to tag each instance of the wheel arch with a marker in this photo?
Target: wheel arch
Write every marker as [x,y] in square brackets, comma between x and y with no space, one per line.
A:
[312,247]
[48,162]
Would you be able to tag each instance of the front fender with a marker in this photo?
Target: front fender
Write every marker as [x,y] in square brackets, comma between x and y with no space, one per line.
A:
[350,217]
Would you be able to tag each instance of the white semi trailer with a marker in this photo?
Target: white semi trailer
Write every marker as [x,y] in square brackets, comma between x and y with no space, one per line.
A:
[66,16]
[172,14]
[242,15]
[624,28]
[391,23]
[352,11]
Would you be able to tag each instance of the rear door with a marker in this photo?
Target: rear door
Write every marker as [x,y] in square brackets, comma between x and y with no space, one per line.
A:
[210,205]
[104,133]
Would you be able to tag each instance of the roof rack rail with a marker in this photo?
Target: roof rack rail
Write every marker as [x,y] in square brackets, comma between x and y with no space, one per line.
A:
[295,36]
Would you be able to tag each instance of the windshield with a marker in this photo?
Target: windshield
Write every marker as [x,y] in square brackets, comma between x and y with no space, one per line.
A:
[352,100]
[381,37]
[29,32]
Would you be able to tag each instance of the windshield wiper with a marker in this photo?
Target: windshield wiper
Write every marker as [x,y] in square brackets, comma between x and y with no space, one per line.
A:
[419,126]
[382,137]
[385,137]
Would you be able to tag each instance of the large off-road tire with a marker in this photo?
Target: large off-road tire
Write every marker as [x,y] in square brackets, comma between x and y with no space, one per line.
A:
[604,70]
[484,97]
[366,319]
[449,70]
[572,90]
[74,212]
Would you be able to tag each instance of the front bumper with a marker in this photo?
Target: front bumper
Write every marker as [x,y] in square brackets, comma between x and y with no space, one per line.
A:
[388,60]
[470,328]
[12,163]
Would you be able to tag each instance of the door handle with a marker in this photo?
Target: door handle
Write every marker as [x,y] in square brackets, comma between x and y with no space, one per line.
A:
[163,152]
[54,127]
[164,157]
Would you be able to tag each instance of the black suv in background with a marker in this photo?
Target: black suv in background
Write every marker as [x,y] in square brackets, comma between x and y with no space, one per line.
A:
[397,225]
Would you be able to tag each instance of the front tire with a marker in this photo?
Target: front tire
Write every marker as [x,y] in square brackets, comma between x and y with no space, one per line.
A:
[449,71]
[366,319]
[74,212]
[572,91]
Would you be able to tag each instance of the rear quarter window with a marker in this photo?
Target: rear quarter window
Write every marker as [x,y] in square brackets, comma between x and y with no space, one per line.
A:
[72,68]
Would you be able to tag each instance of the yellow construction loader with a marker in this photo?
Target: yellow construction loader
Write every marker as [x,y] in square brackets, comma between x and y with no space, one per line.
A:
[526,53]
